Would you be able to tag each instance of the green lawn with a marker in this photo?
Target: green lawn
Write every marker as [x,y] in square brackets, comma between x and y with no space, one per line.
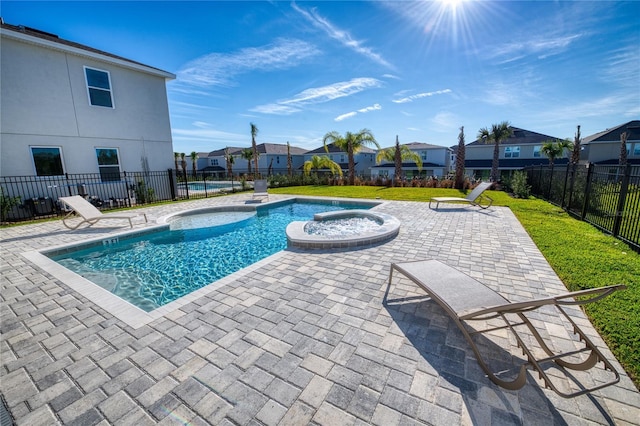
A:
[581,255]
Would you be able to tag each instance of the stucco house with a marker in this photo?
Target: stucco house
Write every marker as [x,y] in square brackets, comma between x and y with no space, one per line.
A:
[272,160]
[436,161]
[364,159]
[69,108]
[604,147]
[519,150]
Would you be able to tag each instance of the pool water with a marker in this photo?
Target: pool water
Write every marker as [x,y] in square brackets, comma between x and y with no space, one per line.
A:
[340,228]
[209,186]
[157,268]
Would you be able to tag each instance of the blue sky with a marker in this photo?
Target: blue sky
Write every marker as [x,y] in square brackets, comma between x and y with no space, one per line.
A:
[419,70]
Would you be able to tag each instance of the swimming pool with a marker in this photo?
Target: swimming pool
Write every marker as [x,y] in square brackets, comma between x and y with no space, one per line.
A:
[211,186]
[156,268]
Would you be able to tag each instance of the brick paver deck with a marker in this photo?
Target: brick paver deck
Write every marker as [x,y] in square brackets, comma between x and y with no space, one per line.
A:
[302,338]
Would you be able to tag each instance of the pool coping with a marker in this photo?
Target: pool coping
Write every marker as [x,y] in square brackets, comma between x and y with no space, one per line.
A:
[127,312]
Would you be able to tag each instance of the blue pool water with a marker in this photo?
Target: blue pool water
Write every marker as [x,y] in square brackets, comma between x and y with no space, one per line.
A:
[210,186]
[157,268]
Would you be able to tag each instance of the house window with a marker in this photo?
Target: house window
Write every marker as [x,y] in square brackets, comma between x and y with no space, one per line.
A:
[99,87]
[47,160]
[512,152]
[636,149]
[536,151]
[628,149]
[108,164]
[214,162]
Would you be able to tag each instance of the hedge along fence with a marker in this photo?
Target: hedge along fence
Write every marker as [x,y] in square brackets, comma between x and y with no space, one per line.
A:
[607,196]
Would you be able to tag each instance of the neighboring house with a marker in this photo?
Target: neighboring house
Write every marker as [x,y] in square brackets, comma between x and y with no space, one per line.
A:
[69,108]
[272,160]
[520,150]
[604,147]
[436,161]
[364,160]
[215,162]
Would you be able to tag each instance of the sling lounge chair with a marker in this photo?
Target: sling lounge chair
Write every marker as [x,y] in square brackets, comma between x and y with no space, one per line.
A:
[90,214]
[464,299]
[473,198]
[260,189]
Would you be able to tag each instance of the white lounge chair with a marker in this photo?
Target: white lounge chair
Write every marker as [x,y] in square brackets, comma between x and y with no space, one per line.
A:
[465,299]
[473,198]
[90,214]
[260,189]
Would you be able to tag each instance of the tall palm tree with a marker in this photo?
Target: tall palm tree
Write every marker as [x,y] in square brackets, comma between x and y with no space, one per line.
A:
[184,164]
[460,157]
[497,134]
[575,157]
[247,154]
[194,158]
[254,147]
[230,159]
[351,143]
[289,160]
[623,149]
[318,162]
[397,155]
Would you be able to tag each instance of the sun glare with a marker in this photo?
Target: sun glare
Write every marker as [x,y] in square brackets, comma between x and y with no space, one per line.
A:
[451,4]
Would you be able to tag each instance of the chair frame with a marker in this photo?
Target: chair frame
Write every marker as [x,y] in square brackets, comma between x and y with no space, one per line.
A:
[519,309]
[90,214]
[474,198]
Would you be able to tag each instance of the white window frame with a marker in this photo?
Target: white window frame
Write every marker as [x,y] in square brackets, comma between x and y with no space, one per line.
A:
[214,162]
[108,165]
[536,151]
[33,162]
[110,90]
[511,152]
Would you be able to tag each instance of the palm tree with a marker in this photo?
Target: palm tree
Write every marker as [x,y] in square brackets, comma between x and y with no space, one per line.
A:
[184,164]
[623,149]
[498,133]
[575,157]
[247,154]
[194,158]
[254,147]
[397,155]
[318,162]
[552,150]
[351,143]
[289,160]
[176,156]
[460,154]
[230,160]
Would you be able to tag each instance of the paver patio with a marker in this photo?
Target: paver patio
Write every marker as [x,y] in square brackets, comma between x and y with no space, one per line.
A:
[301,338]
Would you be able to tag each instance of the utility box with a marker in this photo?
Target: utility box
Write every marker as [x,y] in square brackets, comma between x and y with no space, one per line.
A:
[41,206]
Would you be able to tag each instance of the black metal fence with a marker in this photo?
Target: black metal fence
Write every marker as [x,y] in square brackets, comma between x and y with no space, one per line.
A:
[36,197]
[607,196]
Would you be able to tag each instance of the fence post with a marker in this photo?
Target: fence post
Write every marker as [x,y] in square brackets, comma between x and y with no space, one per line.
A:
[571,167]
[172,186]
[622,199]
[587,191]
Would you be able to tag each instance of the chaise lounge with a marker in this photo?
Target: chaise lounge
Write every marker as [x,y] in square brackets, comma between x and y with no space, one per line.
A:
[260,190]
[90,214]
[465,299]
[473,198]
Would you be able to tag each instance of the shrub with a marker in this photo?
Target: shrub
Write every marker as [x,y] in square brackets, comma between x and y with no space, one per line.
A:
[518,185]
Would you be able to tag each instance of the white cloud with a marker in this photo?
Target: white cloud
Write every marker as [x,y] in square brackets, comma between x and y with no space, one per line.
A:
[541,47]
[444,121]
[420,95]
[345,116]
[316,95]
[340,35]
[374,107]
[219,69]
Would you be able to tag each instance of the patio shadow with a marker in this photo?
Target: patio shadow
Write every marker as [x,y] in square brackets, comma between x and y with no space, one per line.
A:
[436,337]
